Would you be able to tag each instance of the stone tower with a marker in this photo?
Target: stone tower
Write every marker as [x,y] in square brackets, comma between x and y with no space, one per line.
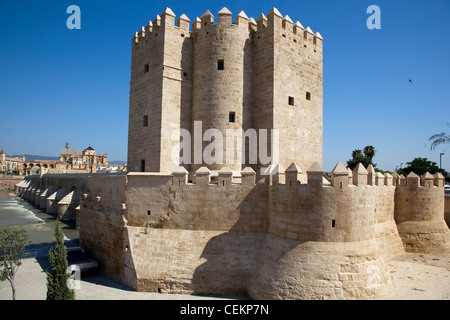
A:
[243,77]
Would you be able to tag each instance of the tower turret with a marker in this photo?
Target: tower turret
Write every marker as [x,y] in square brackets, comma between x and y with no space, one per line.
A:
[221,88]
[419,214]
[160,92]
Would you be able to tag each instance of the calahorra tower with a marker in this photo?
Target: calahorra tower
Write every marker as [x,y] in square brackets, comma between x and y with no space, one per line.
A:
[258,83]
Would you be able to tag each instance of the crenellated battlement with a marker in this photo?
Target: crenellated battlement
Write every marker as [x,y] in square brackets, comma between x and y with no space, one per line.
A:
[279,25]
[318,210]
[427,181]
[341,177]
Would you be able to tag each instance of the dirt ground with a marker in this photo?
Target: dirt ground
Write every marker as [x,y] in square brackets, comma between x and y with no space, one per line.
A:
[416,277]
[420,277]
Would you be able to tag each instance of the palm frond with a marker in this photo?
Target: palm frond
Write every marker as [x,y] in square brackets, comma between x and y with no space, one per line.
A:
[437,136]
[438,139]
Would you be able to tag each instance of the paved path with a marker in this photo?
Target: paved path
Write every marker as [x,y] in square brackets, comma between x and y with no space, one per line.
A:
[416,276]
[31,284]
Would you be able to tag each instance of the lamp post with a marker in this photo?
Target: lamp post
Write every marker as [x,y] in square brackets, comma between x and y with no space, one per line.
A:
[440,159]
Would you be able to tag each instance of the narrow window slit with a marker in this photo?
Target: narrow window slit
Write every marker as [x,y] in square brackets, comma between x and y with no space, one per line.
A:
[220,65]
[291,101]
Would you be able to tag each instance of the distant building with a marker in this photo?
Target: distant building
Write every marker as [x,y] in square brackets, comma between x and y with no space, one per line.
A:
[69,161]
[82,160]
[9,165]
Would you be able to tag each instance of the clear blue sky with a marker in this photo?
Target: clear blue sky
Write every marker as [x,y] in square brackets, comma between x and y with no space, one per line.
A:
[59,85]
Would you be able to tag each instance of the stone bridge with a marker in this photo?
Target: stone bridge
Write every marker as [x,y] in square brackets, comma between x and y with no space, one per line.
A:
[56,193]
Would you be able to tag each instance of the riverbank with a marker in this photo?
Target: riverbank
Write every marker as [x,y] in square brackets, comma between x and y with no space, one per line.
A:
[39,225]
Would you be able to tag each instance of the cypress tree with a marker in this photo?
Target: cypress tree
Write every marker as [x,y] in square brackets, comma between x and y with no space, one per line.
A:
[57,288]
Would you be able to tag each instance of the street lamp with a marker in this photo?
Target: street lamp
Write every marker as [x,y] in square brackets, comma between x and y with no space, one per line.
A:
[440,159]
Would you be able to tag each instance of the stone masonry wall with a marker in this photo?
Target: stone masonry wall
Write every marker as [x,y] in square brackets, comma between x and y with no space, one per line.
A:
[419,214]
[8,182]
[153,201]
[229,238]
[298,77]
[146,98]
[216,92]
[102,224]
[193,261]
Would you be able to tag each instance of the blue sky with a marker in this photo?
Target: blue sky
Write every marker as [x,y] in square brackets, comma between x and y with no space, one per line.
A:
[59,85]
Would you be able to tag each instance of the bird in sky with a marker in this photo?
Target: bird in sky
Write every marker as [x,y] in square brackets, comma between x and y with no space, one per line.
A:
[410,81]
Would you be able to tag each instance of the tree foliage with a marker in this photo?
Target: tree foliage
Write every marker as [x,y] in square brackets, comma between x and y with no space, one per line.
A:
[365,157]
[420,166]
[12,249]
[57,288]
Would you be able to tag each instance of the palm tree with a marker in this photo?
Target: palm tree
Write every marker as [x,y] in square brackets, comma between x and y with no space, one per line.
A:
[357,154]
[365,157]
[369,152]
[439,138]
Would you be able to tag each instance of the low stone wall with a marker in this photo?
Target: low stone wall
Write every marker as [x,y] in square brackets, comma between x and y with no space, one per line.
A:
[8,182]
